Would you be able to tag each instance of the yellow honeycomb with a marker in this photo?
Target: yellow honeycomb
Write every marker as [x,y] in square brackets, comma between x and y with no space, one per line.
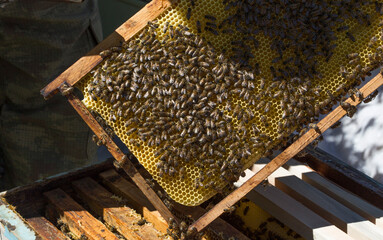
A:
[183,190]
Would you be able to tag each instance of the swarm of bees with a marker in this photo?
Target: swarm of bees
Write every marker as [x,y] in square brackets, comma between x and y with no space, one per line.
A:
[169,92]
[180,96]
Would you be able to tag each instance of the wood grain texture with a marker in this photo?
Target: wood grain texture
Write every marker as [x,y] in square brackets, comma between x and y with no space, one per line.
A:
[29,199]
[112,211]
[344,175]
[121,187]
[336,213]
[121,160]
[45,229]
[355,203]
[123,33]
[283,157]
[80,221]
[295,215]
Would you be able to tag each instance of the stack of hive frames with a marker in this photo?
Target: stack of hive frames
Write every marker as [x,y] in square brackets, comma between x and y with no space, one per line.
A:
[183,191]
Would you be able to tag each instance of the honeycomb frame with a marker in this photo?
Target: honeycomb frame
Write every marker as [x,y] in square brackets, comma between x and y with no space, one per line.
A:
[183,191]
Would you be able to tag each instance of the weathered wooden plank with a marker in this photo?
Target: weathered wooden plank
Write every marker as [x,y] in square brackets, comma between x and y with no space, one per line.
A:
[355,203]
[12,225]
[344,218]
[123,33]
[45,229]
[121,159]
[137,200]
[113,212]
[283,157]
[122,187]
[344,175]
[29,198]
[80,221]
[294,214]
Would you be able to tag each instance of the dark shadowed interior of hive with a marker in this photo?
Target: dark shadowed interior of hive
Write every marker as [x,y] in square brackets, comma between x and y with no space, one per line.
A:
[209,87]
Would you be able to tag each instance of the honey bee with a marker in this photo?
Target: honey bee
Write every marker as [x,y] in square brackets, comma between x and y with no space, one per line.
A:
[357,93]
[337,124]
[350,36]
[188,14]
[246,210]
[343,28]
[315,127]
[260,105]
[354,61]
[198,26]
[315,143]
[372,42]
[161,172]
[262,225]
[191,231]
[267,107]
[105,53]
[212,30]
[277,94]
[371,97]
[210,17]
[353,55]
[229,210]
[212,25]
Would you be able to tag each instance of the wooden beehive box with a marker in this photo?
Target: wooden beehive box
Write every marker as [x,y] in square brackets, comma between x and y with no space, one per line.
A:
[82,67]
[97,202]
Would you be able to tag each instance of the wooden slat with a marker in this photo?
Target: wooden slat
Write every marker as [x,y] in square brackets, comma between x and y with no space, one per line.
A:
[355,203]
[80,221]
[295,215]
[45,229]
[122,187]
[29,199]
[139,202]
[283,157]
[121,159]
[344,175]
[344,218]
[127,30]
[113,212]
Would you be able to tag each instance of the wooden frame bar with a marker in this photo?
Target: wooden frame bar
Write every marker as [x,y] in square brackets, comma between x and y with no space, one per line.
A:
[45,228]
[121,159]
[80,221]
[121,187]
[112,211]
[127,30]
[283,157]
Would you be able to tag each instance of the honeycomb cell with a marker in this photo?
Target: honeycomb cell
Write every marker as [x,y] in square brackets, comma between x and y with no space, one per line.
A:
[184,191]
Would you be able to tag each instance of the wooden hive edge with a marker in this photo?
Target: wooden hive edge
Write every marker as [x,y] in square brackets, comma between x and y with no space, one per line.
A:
[344,175]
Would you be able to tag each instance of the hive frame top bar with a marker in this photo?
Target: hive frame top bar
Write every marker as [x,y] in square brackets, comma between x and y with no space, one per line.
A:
[123,33]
